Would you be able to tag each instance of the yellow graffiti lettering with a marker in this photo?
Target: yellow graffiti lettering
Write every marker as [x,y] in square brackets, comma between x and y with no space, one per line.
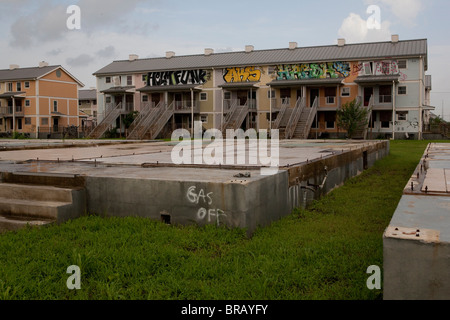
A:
[242,74]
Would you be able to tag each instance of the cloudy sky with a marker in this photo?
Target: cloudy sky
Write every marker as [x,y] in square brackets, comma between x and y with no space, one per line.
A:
[34,31]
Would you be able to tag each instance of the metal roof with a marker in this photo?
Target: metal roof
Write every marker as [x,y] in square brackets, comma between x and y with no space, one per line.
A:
[348,52]
[87,94]
[25,73]
[377,79]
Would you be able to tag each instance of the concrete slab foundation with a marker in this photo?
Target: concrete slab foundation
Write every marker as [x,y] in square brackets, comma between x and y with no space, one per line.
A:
[140,179]
[417,241]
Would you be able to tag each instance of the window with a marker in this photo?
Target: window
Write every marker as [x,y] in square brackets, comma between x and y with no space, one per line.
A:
[27,103]
[385,119]
[345,92]
[402,90]
[330,95]
[402,116]
[203,96]
[19,86]
[129,80]
[367,68]
[44,121]
[10,87]
[27,84]
[227,95]
[204,118]
[19,124]
[402,64]
[108,99]
[144,78]
[108,79]
[55,106]
[385,94]
[145,98]
[330,119]
[27,121]
[271,94]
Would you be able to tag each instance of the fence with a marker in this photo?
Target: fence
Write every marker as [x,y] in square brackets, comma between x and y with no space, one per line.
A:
[60,132]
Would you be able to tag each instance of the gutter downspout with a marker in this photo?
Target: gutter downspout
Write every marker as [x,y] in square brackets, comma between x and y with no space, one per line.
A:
[192,112]
[393,109]
[420,98]
[270,108]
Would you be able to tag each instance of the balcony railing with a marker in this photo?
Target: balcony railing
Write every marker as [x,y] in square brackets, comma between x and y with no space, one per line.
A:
[8,111]
[185,106]
[385,98]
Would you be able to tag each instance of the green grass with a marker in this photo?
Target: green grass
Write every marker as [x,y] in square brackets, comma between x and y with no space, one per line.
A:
[320,253]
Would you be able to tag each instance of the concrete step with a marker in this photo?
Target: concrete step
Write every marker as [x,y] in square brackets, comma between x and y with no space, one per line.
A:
[37,204]
[30,192]
[9,223]
[34,209]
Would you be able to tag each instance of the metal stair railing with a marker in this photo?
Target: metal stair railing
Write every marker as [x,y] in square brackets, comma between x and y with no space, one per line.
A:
[369,116]
[161,121]
[142,114]
[100,129]
[147,122]
[295,116]
[230,114]
[311,116]
[240,116]
[284,105]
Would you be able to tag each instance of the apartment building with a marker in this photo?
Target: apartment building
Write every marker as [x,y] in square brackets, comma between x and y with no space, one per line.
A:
[87,101]
[42,99]
[297,90]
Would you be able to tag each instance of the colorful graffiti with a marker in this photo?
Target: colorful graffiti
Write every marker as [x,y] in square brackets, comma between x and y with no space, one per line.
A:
[333,70]
[248,74]
[378,68]
[173,78]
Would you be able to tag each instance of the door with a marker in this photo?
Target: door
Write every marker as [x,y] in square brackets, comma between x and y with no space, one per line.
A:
[368,92]
[314,93]
[242,97]
[55,124]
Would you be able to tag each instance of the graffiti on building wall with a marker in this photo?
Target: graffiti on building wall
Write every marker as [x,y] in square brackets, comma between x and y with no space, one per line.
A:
[248,74]
[378,68]
[173,78]
[333,70]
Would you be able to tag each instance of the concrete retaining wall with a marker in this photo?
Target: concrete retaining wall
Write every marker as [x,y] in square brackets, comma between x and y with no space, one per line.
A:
[243,203]
[240,202]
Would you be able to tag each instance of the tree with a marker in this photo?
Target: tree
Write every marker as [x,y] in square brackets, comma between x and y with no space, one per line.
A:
[352,118]
[129,118]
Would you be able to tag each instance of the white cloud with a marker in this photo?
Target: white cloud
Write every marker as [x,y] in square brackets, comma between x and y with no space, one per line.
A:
[354,29]
[406,11]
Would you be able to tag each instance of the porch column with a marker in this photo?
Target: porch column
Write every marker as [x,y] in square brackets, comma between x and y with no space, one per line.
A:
[393,110]
[192,112]
[14,114]
[221,115]
[270,109]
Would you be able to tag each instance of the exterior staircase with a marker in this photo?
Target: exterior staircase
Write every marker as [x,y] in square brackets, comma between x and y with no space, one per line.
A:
[106,123]
[283,118]
[26,204]
[361,133]
[306,119]
[235,117]
[144,121]
[160,119]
